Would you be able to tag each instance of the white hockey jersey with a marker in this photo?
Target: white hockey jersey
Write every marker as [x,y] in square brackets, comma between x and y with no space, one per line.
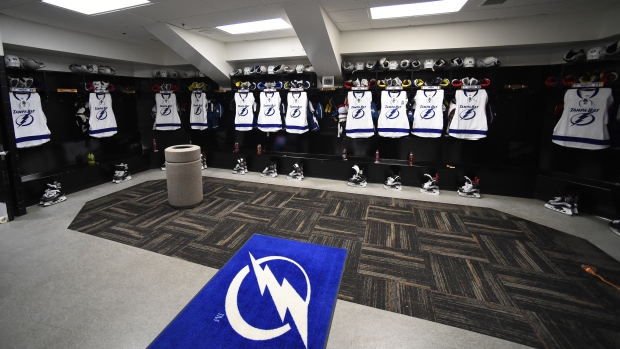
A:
[198,116]
[470,118]
[29,121]
[269,117]
[359,116]
[584,120]
[428,115]
[102,120]
[167,118]
[297,112]
[244,111]
[393,120]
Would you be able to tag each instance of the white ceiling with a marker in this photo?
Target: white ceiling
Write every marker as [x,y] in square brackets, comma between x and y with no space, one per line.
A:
[201,16]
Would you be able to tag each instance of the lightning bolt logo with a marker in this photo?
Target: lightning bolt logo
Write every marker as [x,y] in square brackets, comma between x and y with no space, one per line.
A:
[296,113]
[468,114]
[198,110]
[359,114]
[393,114]
[243,112]
[103,114]
[166,111]
[429,114]
[284,297]
[24,120]
[270,111]
[582,119]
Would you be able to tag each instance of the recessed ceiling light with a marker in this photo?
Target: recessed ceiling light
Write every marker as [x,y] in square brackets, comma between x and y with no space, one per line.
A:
[95,7]
[255,27]
[417,9]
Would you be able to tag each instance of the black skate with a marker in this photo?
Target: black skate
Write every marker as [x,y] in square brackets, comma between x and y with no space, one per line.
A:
[297,173]
[615,226]
[122,174]
[203,161]
[270,171]
[53,195]
[431,186]
[241,167]
[563,204]
[393,183]
[470,189]
[358,179]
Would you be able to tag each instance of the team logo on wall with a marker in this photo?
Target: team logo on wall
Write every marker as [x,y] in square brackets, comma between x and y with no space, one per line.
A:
[582,119]
[284,298]
[467,114]
[393,114]
[102,114]
[429,114]
[24,120]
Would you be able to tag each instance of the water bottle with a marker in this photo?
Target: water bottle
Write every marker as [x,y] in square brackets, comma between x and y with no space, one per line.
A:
[91,159]
[410,158]
[344,154]
[236,149]
[259,149]
[377,156]
[154,146]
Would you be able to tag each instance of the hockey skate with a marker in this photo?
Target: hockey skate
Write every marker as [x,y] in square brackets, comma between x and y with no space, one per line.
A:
[53,195]
[241,167]
[297,173]
[431,186]
[121,174]
[615,226]
[470,189]
[563,204]
[270,171]
[393,183]
[203,161]
[358,179]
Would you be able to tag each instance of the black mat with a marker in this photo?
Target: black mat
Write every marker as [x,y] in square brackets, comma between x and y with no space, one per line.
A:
[473,268]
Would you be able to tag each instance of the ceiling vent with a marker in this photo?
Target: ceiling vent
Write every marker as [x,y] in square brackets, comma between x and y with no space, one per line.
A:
[492,2]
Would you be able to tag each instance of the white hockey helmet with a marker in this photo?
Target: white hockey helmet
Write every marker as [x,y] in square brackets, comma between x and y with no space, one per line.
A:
[489,62]
[416,64]
[94,69]
[236,72]
[262,70]
[299,68]
[393,65]
[469,62]
[192,73]
[347,66]
[11,61]
[359,66]
[288,69]
[247,70]
[372,65]
[107,70]
[596,53]
[271,69]
[404,64]
[308,68]
[429,63]
[456,62]
[163,73]
[31,63]
[78,68]
[384,63]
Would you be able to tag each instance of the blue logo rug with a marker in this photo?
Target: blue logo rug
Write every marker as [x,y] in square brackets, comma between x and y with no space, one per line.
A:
[273,293]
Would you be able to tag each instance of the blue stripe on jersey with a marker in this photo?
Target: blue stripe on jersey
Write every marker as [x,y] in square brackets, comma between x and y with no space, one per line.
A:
[199,124]
[243,125]
[296,127]
[270,125]
[582,140]
[473,132]
[103,130]
[427,130]
[167,125]
[31,138]
[360,130]
[405,130]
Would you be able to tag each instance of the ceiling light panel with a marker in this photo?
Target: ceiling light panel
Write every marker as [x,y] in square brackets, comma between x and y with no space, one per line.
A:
[255,27]
[94,7]
[417,9]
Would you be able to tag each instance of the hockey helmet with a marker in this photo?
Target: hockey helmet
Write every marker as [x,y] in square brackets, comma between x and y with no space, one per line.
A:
[236,72]
[78,68]
[393,65]
[347,66]
[163,73]
[440,64]
[31,63]
[404,64]
[384,63]
[612,50]
[94,69]
[11,61]
[456,62]
[429,63]
[191,73]
[416,64]
[489,62]
[596,53]
[371,65]
[469,62]
[200,74]
[299,68]
[247,70]
[287,69]
[157,74]
[107,70]
[271,69]
[262,70]
[308,68]
[574,56]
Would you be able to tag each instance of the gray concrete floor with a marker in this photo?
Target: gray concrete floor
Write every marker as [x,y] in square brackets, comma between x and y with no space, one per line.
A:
[63,289]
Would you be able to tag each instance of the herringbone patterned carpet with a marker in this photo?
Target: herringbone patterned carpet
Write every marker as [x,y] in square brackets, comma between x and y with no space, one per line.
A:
[472,268]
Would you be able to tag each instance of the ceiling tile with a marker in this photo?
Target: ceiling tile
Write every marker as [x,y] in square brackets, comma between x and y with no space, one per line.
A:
[349,15]
[224,5]
[211,20]
[341,5]
[163,11]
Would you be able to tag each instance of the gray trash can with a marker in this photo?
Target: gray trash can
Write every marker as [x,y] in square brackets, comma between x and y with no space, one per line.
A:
[184,175]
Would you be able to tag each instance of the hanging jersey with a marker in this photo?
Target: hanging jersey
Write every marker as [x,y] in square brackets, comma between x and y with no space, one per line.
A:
[584,120]
[269,118]
[393,120]
[428,115]
[359,116]
[29,121]
[244,111]
[296,113]
[198,117]
[167,118]
[470,118]
[102,120]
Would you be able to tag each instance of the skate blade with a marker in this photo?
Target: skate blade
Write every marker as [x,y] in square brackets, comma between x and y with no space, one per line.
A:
[268,175]
[121,181]
[566,211]
[472,195]
[239,173]
[294,178]
[400,187]
[57,201]
[363,185]
[430,192]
